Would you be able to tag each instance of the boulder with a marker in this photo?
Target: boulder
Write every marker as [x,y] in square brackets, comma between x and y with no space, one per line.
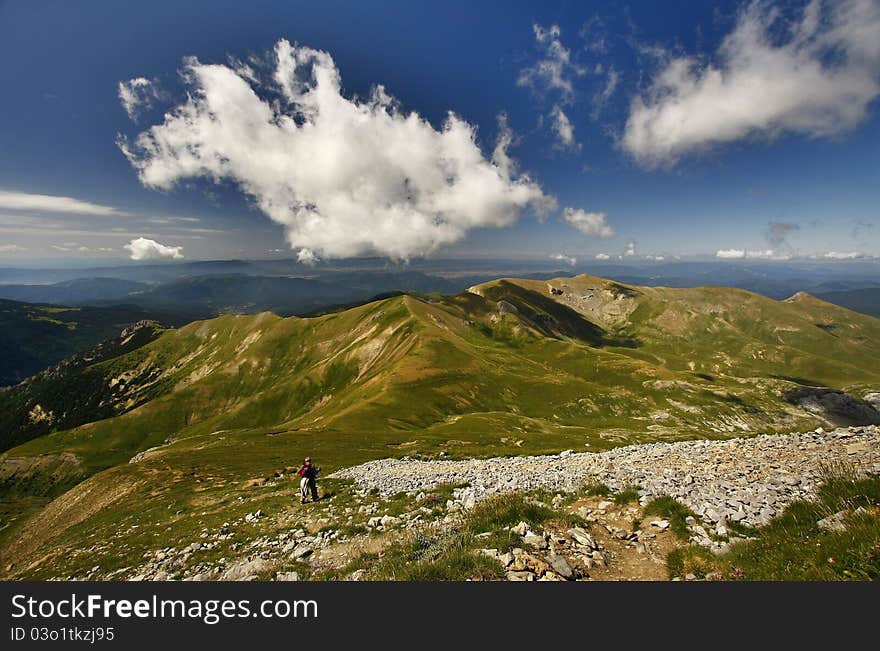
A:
[287,576]
[533,540]
[520,576]
[245,570]
[833,522]
[582,537]
[560,566]
[301,552]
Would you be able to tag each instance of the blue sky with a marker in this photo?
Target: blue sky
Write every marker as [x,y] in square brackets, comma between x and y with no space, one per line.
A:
[735,130]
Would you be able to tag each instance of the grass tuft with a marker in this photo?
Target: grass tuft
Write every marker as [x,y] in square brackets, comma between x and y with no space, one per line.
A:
[671,509]
[627,495]
[595,490]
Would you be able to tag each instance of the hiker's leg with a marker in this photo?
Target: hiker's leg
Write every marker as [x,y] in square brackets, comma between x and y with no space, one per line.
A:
[314,486]
[304,489]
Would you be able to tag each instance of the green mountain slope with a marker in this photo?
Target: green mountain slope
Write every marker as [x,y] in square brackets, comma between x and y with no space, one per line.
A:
[35,336]
[75,391]
[510,367]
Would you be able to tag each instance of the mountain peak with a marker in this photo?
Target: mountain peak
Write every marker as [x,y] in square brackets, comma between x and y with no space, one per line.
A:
[800,296]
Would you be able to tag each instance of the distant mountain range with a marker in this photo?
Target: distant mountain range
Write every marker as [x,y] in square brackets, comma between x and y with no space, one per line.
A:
[211,295]
[776,279]
[101,284]
[177,294]
[866,301]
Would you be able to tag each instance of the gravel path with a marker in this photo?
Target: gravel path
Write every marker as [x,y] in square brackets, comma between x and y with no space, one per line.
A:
[745,480]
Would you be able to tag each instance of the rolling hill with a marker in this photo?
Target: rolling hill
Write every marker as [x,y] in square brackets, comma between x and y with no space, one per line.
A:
[508,367]
[43,324]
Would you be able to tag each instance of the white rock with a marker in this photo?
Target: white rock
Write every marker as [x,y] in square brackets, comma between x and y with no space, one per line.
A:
[287,576]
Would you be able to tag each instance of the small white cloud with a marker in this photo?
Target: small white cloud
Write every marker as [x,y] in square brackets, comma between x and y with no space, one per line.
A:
[569,260]
[50,203]
[768,254]
[591,224]
[603,256]
[816,75]
[343,176]
[601,98]
[730,254]
[630,249]
[759,254]
[563,128]
[12,248]
[655,258]
[173,220]
[138,95]
[594,33]
[146,249]
[555,69]
[844,255]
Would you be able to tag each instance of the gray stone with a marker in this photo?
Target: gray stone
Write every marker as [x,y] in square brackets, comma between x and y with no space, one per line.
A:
[287,576]
[560,566]
[582,537]
[245,570]
[520,576]
[551,576]
[301,552]
[833,522]
[533,540]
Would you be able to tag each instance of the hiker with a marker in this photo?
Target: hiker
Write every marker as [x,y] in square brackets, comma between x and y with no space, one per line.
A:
[309,473]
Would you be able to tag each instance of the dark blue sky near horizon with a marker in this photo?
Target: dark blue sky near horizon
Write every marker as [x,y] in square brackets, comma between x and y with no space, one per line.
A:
[775,185]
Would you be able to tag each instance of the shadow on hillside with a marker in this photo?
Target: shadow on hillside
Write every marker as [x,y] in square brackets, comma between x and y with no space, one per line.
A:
[839,407]
[799,380]
[553,319]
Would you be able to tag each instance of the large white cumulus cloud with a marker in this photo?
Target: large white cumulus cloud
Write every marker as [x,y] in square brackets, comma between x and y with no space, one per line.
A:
[816,75]
[344,176]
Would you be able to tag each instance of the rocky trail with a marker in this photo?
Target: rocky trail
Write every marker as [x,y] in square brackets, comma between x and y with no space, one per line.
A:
[380,503]
[747,480]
